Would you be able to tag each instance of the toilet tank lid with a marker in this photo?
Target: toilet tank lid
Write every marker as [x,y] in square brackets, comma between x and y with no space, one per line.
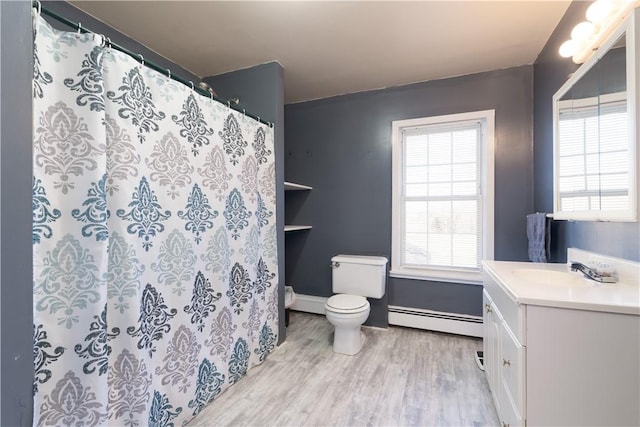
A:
[360,259]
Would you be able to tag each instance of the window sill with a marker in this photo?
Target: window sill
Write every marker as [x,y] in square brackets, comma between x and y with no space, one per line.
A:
[436,276]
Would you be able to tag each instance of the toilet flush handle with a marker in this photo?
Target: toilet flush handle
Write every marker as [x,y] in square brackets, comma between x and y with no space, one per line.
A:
[335,264]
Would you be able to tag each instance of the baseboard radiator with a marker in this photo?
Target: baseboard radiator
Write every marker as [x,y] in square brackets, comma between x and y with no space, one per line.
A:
[309,304]
[460,324]
[453,323]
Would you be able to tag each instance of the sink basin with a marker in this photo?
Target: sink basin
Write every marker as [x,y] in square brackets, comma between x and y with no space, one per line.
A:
[551,277]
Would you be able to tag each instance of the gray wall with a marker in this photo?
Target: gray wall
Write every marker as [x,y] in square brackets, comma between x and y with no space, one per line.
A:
[76,15]
[341,147]
[617,239]
[260,90]
[16,283]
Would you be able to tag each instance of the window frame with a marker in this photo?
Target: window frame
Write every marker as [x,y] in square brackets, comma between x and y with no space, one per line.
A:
[486,163]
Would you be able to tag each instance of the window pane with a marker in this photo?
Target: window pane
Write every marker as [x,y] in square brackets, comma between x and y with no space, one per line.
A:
[465,146]
[464,172]
[574,203]
[614,161]
[571,135]
[440,250]
[439,148]
[465,217]
[415,149]
[415,249]
[439,217]
[415,217]
[465,250]
[593,182]
[440,173]
[614,202]
[571,165]
[572,183]
[416,190]
[416,174]
[465,188]
[440,189]
[591,129]
[612,182]
[592,163]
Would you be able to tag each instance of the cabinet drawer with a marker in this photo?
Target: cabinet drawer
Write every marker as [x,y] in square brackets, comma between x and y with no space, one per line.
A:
[510,311]
[512,369]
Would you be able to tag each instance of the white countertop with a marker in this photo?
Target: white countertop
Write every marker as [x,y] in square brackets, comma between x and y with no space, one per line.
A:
[618,297]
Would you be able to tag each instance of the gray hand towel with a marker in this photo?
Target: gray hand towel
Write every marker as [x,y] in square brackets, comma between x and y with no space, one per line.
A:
[538,234]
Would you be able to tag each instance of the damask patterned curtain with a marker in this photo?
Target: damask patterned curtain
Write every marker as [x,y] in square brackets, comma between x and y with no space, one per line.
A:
[154,239]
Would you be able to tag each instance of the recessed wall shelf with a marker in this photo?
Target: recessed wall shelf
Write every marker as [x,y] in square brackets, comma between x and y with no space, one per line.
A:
[288,228]
[290,186]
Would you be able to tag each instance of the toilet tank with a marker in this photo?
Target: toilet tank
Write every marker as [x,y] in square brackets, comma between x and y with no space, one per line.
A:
[359,275]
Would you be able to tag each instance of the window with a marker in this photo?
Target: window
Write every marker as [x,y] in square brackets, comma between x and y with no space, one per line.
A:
[593,159]
[443,197]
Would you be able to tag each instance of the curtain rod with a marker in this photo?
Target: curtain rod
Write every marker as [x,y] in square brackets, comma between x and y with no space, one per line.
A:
[167,72]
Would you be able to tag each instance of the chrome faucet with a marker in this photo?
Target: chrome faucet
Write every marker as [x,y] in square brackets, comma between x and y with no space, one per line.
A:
[591,274]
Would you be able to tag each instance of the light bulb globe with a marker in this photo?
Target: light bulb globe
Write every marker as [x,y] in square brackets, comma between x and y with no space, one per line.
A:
[582,31]
[600,10]
[568,48]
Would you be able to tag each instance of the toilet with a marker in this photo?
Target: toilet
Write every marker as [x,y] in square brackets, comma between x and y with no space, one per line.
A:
[354,278]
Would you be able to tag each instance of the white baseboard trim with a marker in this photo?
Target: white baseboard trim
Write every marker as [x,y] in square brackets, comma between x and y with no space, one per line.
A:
[453,323]
[309,304]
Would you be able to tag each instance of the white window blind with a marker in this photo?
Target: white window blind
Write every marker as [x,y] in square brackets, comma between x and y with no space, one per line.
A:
[439,196]
[593,158]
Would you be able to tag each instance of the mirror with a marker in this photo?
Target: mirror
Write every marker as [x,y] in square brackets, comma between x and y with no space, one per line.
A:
[595,156]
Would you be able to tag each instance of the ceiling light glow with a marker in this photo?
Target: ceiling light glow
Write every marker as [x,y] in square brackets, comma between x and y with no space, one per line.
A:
[602,18]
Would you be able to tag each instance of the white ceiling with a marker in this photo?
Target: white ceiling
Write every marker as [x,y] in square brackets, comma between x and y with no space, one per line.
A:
[334,47]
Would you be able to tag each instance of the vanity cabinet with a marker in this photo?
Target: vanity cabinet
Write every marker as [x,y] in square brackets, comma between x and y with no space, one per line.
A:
[560,363]
[504,354]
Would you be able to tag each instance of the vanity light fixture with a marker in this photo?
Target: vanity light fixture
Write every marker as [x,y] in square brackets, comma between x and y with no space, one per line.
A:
[602,18]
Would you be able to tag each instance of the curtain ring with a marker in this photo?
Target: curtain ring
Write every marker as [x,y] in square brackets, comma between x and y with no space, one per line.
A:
[243,112]
[228,104]
[259,119]
[141,58]
[169,73]
[107,42]
[79,27]
[191,84]
[211,95]
[39,7]
[271,125]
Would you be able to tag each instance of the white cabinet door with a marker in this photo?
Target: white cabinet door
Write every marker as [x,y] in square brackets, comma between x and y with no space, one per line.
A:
[503,364]
[491,346]
[512,376]
[583,368]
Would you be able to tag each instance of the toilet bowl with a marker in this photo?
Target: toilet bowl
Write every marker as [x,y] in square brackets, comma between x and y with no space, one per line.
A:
[354,278]
[347,313]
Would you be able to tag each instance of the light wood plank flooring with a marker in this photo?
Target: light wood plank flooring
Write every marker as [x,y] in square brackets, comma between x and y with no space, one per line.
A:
[402,377]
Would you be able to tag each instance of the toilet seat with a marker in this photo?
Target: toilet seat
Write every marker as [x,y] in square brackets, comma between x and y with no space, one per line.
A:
[346,303]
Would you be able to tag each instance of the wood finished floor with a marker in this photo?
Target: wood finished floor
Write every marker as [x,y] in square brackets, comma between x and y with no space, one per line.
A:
[402,377]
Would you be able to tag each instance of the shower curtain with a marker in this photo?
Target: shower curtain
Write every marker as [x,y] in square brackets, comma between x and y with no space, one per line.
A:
[154,240]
